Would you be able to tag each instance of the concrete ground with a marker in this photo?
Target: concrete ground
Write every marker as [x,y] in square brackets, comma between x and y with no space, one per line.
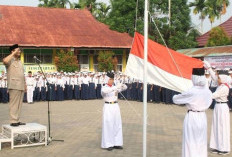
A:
[78,123]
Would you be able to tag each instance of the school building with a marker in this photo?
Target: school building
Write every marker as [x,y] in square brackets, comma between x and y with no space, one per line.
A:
[42,32]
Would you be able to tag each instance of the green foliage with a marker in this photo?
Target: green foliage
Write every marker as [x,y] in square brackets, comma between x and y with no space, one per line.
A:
[123,14]
[102,11]
[218,37]
[55,3]
[211,8]
[185,42]
[90,4]
[66,61]
[105,62]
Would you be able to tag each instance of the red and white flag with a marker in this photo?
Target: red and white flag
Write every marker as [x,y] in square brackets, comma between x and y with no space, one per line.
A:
[161,67]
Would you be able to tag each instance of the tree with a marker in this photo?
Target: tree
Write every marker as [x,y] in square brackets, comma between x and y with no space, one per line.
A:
[199,9]
[224,4]
[105,61]
[66,61]
[177,35]
[89,4]
[186,42]
[123,15]
[102,11]
[43,3]
[55,3]
[218,37]
[211,10]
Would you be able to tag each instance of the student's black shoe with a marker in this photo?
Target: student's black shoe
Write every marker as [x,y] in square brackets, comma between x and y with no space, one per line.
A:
[223,153]
[14,124]
[118,147]
[214,151]
[110,148]
[20,123]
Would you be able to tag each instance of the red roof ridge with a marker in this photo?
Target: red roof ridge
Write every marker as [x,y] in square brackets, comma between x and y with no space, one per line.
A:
[202,40]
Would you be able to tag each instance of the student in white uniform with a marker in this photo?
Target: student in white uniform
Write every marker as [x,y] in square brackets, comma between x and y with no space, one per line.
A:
[197,100]
[220,130]
[30,81]
[111,124]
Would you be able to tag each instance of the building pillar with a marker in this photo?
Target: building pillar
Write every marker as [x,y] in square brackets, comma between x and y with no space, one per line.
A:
[124,60]
[22,57]
[53,56]
[91,68]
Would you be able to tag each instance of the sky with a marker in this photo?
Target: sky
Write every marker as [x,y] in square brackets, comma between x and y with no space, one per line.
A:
[195,18]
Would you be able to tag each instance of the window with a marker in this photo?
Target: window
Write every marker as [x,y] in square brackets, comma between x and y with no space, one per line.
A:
[45,55]
[83,59]
[3,53]
[119,57]
[119,65]
[95,61]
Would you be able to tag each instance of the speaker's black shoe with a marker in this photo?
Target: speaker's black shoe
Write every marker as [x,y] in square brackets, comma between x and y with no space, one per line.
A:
[118,147]
[14,124]
[20,123]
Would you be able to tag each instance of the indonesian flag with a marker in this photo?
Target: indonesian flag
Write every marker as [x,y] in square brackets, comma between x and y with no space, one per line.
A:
[162,68]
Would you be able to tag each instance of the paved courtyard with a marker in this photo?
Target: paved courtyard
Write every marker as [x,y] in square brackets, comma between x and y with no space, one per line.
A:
[78,123]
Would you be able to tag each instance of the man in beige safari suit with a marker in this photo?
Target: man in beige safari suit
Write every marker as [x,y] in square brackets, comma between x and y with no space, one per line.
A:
[16,83]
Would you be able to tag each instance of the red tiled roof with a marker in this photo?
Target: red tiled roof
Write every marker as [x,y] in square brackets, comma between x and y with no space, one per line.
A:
[227,25]
[52,27]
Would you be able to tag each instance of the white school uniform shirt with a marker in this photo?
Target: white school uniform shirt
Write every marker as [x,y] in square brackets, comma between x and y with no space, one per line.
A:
[3,83]
[97,81]
[195,100]
[39,84]
[72,81]
[221,93]
[60,82]
[214,79]
[110,93]
[30,81]
[91,80]
[79,80]
[85,80]
[53,80]
[75,81]
[64,79]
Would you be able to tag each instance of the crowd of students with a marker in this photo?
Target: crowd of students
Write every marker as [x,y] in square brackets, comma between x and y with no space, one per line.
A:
[87,85]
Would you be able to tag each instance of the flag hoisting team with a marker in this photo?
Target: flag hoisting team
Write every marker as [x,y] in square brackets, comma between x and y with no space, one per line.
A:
[197,100]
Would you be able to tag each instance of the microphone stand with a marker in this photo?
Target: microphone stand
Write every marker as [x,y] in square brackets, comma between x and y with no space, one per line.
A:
[49,140]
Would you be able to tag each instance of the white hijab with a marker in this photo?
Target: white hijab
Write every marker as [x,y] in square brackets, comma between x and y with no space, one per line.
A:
[199,80]
[224,78]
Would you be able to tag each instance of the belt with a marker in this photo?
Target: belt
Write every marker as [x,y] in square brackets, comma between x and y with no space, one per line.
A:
[221,102]
[194,111]
[113,102]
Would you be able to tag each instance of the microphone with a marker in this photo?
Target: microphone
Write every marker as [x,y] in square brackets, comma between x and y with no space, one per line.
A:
[37,59]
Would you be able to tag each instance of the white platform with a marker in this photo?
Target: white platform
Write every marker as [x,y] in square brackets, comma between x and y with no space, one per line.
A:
[30,134]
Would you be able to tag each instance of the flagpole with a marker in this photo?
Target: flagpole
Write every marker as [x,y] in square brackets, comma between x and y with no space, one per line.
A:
[145,79]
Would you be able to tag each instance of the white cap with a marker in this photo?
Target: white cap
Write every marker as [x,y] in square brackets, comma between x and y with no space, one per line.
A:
[227,69]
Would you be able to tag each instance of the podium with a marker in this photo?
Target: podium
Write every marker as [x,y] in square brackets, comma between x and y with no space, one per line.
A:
[31,134]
